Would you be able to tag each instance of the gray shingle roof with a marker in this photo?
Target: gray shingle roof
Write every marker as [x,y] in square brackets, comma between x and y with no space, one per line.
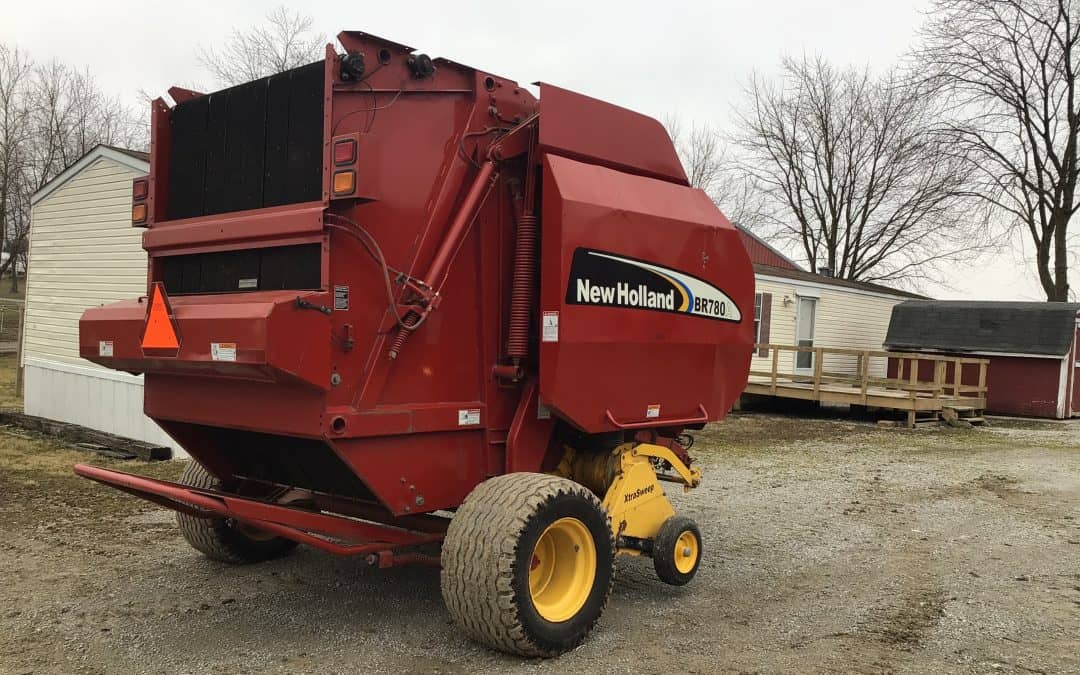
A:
[137,154]
[1040,328]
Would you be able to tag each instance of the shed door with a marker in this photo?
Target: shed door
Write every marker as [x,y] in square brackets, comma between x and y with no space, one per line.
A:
[1076,373]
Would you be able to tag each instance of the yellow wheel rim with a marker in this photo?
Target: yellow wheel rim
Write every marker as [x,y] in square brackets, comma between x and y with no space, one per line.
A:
[563,570]
[687,550]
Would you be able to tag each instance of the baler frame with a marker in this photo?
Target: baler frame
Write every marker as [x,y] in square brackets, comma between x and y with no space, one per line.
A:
[330,532]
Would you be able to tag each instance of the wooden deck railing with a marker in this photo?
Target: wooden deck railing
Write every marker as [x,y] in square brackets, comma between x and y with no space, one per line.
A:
[908,380]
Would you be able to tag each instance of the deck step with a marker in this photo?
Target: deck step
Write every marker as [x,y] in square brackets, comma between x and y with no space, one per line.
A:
[961,408]
[977,421]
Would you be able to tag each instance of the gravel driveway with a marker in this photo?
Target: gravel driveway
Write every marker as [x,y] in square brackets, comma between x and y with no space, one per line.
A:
[831,546]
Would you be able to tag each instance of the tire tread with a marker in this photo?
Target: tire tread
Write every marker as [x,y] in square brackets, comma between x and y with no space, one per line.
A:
[479,552]
[213,537]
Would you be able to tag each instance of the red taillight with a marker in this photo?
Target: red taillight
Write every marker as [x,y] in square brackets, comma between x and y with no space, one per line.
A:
[344,152]
[140,188]
[347,180]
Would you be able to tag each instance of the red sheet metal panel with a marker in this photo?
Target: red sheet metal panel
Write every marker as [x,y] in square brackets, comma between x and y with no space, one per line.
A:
[646,300]
[1023,386]
[230,335]
[584,128]
[1015,385]
[1073,409]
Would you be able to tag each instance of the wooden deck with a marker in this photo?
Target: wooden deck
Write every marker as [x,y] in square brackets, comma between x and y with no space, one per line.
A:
[922,385]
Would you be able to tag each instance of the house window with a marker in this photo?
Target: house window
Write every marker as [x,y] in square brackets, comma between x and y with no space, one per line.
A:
[757,318]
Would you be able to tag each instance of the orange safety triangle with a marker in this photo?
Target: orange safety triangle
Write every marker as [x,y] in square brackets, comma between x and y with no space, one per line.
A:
[159,333]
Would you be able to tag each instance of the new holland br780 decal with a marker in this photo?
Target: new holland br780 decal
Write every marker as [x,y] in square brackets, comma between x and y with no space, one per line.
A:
[600,278]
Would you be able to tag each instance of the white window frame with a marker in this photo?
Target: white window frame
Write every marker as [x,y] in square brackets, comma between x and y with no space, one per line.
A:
[816,299]
[758,300]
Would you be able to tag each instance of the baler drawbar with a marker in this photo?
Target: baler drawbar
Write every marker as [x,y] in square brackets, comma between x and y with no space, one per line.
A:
[399,307]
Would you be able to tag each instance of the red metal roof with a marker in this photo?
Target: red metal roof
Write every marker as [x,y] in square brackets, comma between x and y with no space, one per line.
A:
[763,254]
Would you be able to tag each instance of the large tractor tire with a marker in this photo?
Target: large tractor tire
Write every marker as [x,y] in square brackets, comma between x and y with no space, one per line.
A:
[528,563]
[223,538]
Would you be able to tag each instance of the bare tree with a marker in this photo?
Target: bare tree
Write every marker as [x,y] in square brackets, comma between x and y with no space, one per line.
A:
[50,116]
[283,41]
[15,70]
[69,115]
[1008,70]
[709,166]
[859,181]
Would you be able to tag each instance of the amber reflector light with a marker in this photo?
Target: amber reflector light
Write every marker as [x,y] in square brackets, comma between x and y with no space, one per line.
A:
[344,183]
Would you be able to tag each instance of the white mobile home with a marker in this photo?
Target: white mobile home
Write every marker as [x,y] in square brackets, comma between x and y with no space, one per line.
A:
[800,308]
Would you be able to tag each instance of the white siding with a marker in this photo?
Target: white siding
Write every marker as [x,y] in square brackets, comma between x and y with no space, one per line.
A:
[848,319]
[83,253]
[91,397]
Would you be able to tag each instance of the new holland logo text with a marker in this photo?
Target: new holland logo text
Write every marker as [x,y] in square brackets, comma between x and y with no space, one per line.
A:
[599,278]
[640,492]
[623,294]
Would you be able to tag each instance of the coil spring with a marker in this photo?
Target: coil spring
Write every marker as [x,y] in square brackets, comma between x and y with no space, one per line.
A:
[403,334]
[521,293]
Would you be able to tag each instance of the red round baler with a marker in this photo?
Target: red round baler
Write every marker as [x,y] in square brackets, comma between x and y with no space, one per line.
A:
[395,301]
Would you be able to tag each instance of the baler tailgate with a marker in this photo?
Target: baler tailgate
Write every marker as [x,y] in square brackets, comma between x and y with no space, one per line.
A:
[329,532]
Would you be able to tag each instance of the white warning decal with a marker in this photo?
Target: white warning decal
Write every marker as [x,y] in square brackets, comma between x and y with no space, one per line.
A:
[550,331]
[341,298]
[223,351]
[468,417]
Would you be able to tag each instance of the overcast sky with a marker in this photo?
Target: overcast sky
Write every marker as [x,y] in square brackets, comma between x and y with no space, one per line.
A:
[688,58]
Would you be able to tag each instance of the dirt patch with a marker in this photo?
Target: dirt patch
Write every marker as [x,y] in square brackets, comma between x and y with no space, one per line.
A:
[1001,486]
[905,625]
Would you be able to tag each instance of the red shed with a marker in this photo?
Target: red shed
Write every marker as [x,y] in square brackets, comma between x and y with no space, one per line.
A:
[1032,347]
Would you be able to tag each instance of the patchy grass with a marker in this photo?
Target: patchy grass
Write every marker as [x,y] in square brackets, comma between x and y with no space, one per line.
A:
[8,397]
[32,466]
[7,294]
[749,434]
[1029,424]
